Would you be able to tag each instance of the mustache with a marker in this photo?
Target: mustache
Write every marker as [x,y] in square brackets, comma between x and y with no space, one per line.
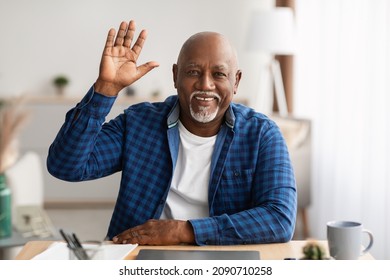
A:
[206,93]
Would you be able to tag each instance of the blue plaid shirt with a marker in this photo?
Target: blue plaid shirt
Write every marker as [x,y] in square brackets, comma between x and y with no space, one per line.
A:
[252,194]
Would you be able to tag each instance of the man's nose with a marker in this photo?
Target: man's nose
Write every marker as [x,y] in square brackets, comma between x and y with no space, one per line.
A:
[205,82]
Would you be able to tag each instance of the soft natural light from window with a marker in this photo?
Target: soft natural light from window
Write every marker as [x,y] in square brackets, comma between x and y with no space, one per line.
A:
[342,83]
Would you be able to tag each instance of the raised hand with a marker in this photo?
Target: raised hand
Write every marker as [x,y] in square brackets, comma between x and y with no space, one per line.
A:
[118,67]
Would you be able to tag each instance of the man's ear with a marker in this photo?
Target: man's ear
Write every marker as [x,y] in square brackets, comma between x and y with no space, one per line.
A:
[174,72]
[238,79]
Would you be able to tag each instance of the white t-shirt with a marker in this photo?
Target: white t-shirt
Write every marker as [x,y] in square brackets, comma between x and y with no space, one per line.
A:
[188,195]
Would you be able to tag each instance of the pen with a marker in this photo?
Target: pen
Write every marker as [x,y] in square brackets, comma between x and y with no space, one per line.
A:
[80,247]
[76,240]
[75,246]
[65,237]
[70,244]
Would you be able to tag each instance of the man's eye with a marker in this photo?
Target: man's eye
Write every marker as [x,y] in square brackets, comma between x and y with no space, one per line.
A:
[220,74]
[193,73]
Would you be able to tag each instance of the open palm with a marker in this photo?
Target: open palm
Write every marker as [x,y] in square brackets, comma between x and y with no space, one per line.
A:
[118,67]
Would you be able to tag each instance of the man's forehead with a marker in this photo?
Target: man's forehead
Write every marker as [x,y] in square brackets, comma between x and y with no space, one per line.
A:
[193,64]
[207,48]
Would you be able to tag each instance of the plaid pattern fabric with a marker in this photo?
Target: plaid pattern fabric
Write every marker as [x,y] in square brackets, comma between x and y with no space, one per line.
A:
[252,194]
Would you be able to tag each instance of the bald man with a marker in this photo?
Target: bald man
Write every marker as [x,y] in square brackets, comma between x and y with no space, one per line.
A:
[196,168]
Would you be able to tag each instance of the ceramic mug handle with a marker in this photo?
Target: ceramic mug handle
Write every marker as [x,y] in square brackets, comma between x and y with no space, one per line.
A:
[371,236]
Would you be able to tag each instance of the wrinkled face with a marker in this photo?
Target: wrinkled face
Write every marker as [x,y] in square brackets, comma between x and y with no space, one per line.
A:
[206,78]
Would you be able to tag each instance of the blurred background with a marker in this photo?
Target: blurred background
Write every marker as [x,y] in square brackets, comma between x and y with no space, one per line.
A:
[328,87]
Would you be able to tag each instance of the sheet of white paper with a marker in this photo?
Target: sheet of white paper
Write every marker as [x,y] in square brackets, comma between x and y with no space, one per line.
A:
[59,251]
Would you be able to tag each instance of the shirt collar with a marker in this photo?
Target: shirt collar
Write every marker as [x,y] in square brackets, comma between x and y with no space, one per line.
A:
[174,114]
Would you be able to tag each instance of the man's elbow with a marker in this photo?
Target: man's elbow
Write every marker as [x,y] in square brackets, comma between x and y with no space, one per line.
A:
[59,171]
[285,228]
[283,235]
[286,236]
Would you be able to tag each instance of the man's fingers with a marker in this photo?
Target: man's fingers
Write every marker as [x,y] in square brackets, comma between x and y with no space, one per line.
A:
[139,234]
[121,34]
[110,38]
[146,67]
[124,38]
[129,34]
[138,237]
[128,237]
[137,48]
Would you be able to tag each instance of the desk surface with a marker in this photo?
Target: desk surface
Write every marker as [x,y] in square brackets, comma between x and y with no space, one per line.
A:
[276,251]
[17,239]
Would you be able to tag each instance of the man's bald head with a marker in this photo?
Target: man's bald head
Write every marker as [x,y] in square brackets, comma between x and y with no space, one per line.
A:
[208,42]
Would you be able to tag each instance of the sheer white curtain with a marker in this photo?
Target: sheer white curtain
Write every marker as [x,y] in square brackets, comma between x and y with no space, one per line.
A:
[342,83]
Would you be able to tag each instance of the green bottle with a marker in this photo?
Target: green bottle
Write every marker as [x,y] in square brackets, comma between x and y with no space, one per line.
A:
[5,209]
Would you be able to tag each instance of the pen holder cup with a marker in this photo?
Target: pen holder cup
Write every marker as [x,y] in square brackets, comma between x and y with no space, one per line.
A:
[88,252]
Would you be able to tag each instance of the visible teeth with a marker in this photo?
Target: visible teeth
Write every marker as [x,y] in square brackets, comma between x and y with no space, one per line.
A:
[205,99]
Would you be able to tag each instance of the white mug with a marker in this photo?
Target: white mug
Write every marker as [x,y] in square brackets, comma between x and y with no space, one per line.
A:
[345,240]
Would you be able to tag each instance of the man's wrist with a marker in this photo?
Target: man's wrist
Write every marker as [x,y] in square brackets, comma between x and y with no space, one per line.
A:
[188,235]
[107,89]
[96,104]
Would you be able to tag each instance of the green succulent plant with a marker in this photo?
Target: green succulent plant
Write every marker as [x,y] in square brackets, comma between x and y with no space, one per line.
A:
[60,81]
[314,251]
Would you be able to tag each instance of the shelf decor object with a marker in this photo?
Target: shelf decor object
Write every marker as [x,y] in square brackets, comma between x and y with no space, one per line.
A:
[273,32]
[60,82]
[12,117]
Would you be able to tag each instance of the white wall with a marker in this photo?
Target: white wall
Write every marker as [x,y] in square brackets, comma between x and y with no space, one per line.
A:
[44,38]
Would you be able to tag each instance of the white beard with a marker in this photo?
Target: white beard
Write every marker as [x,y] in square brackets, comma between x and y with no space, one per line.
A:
[204,115]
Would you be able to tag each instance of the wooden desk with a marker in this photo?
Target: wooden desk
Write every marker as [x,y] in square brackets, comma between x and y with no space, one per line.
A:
[276,251]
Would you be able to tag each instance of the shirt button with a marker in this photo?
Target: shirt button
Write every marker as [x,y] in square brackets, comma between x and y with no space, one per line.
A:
[236,173]
[94,104]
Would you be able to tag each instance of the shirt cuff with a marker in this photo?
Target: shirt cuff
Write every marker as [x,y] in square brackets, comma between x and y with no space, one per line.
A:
[96,104]
[206,231]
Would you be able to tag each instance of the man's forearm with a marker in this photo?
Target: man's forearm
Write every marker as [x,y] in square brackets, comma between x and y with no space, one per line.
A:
[71,152]
[272,223]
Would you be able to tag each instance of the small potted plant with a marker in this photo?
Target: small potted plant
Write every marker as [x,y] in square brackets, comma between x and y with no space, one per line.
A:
[60,82]
[314,251]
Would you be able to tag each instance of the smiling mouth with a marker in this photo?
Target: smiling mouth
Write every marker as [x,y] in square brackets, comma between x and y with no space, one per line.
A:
[208,99]
[205,96]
